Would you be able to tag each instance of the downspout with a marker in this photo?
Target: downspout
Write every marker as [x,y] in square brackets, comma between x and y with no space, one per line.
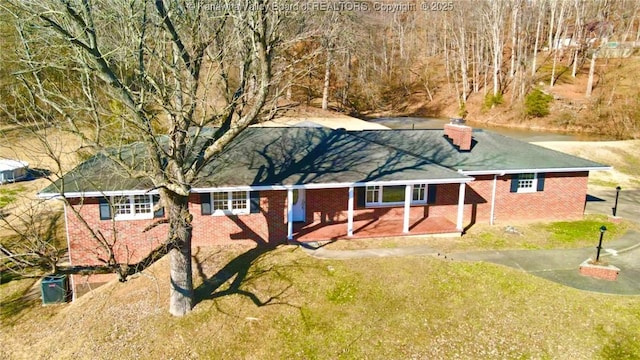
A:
[493,198]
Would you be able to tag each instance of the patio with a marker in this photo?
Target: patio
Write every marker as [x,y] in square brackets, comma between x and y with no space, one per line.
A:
[373,228]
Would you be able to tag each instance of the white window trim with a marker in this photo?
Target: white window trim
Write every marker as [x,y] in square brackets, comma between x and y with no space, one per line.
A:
[380,203]
[528,190]
[229,211]
[131,203]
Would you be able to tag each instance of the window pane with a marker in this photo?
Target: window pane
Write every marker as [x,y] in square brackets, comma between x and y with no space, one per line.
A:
[238,200]
[219,200]
[121,205]
[393,193]
[372,194]
[142,204]
[419,192]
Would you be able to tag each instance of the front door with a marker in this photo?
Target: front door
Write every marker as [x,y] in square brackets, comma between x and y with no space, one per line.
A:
[299,205]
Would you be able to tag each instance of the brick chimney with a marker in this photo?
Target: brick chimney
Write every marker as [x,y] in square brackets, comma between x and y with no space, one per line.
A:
[459,134]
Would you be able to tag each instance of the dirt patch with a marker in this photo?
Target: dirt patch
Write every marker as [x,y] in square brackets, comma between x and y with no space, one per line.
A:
[623,156]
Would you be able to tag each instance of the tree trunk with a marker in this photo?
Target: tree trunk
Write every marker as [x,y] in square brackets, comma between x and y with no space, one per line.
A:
[535,46]
[592,69]
[327,78]
[514,38]
[181,297]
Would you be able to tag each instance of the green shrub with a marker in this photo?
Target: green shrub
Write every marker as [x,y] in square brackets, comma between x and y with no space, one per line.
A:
[537,103]
[491,100]
[462,111]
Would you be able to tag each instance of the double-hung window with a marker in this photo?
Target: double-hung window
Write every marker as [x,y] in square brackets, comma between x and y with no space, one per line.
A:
[132,207]
[394,195]
[230,202]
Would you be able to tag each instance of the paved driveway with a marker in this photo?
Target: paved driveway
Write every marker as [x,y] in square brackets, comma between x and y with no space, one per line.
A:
[562,265]
[602,202]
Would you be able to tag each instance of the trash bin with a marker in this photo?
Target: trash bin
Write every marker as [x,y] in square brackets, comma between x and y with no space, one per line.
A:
[54,289]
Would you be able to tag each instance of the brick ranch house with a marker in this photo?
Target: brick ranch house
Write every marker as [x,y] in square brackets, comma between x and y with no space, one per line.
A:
[273,185]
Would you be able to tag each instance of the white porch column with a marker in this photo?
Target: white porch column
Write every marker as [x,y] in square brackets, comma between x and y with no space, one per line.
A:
[493,198]
[407,208]
[350,213]
[461,206]
[289,214]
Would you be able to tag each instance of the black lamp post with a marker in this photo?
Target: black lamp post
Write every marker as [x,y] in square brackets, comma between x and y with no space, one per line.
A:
[615,207]
[602,230]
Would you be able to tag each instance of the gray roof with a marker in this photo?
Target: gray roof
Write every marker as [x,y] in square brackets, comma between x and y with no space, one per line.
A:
[489,152]
[309,155]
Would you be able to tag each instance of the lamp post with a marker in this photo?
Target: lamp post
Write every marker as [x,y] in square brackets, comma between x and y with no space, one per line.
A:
[615,206]
[602,230]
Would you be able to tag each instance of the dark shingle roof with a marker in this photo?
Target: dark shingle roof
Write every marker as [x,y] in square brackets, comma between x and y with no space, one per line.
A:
[490,151]
[302,155]
[295,156]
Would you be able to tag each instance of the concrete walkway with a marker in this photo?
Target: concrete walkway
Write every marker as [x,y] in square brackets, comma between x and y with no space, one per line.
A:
[560,266]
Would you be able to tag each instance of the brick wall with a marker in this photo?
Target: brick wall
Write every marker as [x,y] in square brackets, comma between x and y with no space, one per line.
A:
[600,272]
[132,244]
[269,225]
[563,198]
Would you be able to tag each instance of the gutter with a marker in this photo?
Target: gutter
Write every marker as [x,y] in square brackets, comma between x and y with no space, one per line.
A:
[464,180]
[534,170]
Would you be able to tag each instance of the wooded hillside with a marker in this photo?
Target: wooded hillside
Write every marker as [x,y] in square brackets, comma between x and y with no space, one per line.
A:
[563,64]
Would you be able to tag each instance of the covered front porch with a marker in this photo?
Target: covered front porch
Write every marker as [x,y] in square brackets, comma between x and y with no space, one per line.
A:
[362,210]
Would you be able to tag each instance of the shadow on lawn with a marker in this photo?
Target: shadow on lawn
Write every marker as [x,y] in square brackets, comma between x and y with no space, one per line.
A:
[241,270]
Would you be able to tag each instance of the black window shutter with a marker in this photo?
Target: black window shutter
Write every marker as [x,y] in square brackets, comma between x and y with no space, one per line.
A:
[105,209]
[540,182]
[254,202]
[205,204]
[160,212]
[514,182]
[431,193]
[360,193]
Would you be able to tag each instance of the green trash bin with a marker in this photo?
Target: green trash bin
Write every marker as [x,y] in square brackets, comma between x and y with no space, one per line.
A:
[54,289]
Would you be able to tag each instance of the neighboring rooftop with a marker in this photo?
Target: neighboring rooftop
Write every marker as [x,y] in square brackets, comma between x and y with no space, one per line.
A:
[8,164]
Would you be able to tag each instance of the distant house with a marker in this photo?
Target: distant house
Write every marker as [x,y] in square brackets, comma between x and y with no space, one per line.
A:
[13,170]
[273,185]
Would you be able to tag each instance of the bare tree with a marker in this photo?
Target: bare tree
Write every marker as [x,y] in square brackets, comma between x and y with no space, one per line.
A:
[139,70]
[35,241]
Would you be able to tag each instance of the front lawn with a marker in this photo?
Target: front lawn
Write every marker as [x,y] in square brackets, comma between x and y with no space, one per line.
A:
[284,304]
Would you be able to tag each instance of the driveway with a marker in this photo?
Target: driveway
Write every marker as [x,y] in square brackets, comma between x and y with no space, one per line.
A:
[560,266]
[602,202]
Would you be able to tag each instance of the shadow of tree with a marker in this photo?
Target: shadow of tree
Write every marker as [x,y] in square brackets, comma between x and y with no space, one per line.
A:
[296,156]
[239,271]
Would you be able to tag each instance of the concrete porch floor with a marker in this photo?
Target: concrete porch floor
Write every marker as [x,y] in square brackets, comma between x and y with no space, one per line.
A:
[372,228]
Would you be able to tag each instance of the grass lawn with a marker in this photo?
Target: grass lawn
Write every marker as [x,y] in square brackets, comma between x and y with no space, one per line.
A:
[285,304]
[8,194]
